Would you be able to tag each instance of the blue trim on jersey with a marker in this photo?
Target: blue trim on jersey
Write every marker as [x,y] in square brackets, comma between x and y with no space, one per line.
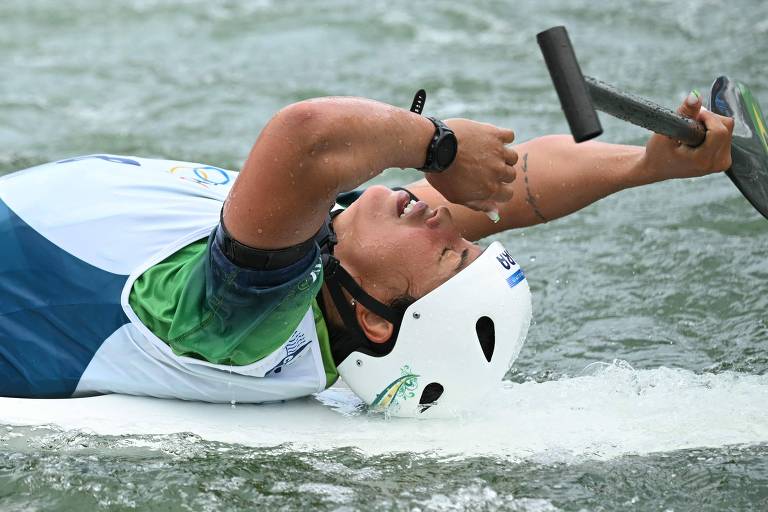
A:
[55,312]
[106,158]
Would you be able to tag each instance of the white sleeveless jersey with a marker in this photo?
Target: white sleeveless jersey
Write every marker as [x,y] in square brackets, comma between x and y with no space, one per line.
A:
[78,233]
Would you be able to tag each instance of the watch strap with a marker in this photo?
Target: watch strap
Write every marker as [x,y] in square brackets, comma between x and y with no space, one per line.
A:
[417,107]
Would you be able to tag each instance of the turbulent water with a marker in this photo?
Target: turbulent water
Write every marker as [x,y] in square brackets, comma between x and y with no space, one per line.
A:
[669,280]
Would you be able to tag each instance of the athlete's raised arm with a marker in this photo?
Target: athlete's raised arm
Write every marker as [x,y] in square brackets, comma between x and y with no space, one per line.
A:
[556,177]
[312,150]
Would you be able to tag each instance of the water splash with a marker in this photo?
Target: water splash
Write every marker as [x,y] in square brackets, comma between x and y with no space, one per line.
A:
[611,411]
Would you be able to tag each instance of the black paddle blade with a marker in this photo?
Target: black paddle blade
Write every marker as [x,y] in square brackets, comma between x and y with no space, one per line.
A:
[749,171]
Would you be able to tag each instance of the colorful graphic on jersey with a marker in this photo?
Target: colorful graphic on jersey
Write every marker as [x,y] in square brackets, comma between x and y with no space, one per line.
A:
[205,175]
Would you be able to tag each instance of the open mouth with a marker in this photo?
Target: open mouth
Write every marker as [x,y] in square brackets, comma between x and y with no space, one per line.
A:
[403,202]
[408,207]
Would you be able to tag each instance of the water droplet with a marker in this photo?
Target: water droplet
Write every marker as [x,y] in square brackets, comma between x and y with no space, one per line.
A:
[325,160]
[232,403]
[260,230]
[533,258]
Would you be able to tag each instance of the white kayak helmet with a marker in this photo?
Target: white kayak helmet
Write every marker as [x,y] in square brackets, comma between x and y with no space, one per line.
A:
[453,345]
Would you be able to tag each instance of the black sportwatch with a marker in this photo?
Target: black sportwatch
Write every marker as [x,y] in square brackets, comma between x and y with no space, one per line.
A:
[442,148]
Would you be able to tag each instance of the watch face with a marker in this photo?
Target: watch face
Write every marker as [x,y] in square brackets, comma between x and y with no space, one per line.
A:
[446,151]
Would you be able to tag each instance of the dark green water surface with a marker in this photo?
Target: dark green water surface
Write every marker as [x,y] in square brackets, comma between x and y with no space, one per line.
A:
[45,471]
[673,275]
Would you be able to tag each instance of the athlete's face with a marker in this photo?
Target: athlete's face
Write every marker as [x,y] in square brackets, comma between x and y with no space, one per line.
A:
[393,252]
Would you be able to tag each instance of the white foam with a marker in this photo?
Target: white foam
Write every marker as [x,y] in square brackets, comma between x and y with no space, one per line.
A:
[478,496]
[615,411]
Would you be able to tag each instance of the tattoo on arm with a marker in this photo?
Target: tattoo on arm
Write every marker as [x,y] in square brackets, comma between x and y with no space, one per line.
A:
[530,199]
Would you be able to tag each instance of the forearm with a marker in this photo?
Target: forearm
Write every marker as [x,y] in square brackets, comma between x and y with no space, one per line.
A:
[359,138]
[556,177]
[308,153]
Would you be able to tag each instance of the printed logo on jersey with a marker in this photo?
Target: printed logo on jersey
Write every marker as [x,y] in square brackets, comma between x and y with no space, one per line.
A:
[203,175]
[311,279]
[293,348]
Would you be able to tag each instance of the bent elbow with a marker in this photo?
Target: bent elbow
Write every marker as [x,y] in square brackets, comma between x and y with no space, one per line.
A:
[304,124]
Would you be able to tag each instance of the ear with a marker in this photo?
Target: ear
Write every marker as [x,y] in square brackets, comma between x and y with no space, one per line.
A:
[374,327]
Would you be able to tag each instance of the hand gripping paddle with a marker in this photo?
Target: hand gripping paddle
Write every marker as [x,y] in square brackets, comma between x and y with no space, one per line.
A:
[580,96]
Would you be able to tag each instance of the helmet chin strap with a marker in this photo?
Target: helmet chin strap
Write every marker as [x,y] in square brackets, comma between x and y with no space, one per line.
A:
[338,279]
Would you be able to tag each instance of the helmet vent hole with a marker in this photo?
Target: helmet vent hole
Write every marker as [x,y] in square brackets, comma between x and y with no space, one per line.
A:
[486,334]
[429,396]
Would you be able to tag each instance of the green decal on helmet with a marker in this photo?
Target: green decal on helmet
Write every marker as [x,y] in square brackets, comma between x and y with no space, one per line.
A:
[402,387]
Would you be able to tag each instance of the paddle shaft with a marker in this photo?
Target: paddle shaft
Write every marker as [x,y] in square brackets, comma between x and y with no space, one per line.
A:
[643,112]
[581,96]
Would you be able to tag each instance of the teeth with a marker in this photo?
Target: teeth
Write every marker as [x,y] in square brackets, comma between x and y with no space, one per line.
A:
[408,208]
